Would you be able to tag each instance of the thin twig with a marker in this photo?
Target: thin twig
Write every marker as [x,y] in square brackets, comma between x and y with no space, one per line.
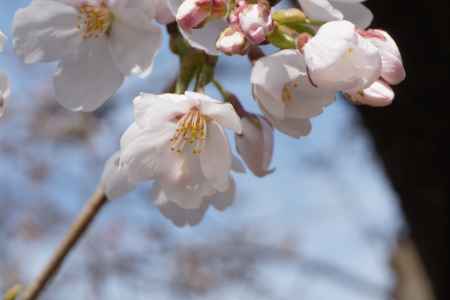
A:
[255,53]
[82,223]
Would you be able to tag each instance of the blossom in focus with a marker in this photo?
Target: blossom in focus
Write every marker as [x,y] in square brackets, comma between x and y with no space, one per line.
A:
[4,84]
[332,10]
[380,92]
[97,44]
[179,141]
[203,37]
[339,58]
[253,19]
[285,94]
[255,144]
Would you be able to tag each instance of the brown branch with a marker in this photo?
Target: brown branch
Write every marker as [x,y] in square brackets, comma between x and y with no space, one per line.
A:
[82,223]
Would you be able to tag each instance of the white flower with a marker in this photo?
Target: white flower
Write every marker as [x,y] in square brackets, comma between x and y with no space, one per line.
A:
[163,13]
[179,141]
[4,83]
[331,10]
[97,42]
[255,144]
[205,37]
[339,58]
[285,94]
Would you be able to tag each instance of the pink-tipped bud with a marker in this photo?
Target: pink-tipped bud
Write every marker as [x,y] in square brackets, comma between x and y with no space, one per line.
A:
[192,13]
[302,39]
[219,8]
[392,70]
[232,41]
[255,20]
[379,94]
[255,144]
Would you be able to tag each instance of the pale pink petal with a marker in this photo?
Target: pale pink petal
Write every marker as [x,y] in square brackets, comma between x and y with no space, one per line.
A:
[215,158]
[115,178]
[85,82]
[222,113]
[356,13]
[379,94]
[292,127]
[134,49]
[46,30]
[4,93]
[222,201]
[320,10]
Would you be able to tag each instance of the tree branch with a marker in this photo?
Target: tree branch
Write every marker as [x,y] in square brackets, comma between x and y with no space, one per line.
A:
[78,228]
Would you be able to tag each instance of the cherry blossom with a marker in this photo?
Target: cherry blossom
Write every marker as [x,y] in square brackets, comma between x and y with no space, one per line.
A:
[232,41]
[339,58]
[97,44]
[380,92]
[285,94]
[255,144]
[4,83]
[179,141]
[332,10]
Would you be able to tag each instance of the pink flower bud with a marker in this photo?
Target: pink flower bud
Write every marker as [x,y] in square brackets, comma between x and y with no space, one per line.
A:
[392,70]
[232,41]
[255,144]
[255,20]
[379,94]
[192,13]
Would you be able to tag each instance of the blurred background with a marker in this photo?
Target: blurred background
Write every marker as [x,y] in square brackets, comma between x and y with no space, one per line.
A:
[356,210]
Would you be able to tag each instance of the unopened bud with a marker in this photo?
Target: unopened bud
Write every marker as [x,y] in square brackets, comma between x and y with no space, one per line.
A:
[232,41]
[302,39]
[255,144]
[192,13]
[254,20]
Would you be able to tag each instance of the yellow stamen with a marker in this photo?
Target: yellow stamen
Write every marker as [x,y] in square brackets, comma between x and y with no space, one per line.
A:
[191,129]
[94,21]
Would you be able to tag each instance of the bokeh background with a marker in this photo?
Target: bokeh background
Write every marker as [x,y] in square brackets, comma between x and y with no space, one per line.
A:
[327,224]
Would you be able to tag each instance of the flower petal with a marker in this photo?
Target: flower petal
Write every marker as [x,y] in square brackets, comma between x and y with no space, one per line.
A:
[292,127]
[205,38]
[85,82]
[150,110]
[379,94]
[4,92]
[133,49]
[320,10]
[356,13]
[215,159]
[222,201]
[175,213]
[115,178]
[147,154]
[46,30]
[2,41]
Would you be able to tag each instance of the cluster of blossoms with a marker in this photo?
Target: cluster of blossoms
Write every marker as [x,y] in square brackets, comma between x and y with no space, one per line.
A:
[178,140]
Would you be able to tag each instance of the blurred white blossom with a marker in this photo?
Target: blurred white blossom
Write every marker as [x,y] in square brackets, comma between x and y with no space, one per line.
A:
[97,44]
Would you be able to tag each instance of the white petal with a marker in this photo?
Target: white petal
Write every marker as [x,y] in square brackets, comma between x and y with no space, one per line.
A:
[147,154]
[4,93]
[269,76]
[222,201]
[115,178]
[379,94]
[320,10]
[339,59]
[46,30]
[152,110]
[393,70]
[356,13]
[293,127]
[164,14]
[215,158]
[175,213]
[85,82]
[222,113]
[133,49]
[205,38]
[2,41]
[134,13]
[255,145]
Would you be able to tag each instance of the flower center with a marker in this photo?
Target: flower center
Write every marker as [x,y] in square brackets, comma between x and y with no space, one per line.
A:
[191,129]
[94,21]
[287,92]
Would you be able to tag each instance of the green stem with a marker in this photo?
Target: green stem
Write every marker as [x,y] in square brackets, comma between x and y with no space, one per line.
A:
[220,89]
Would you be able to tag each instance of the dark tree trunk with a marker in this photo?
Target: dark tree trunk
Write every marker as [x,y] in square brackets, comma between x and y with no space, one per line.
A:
[412,136]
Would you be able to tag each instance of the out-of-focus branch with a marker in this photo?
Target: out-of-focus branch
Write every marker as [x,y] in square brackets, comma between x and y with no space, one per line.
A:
[255,53]
[412,282]
[82,223]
